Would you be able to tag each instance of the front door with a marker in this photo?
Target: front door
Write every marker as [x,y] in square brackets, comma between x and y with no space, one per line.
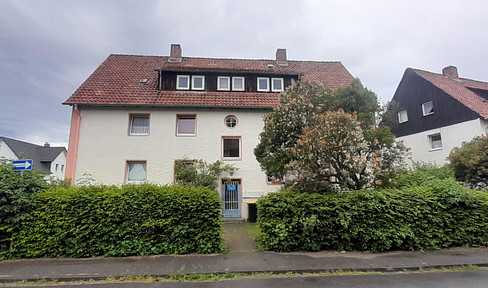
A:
[231,198]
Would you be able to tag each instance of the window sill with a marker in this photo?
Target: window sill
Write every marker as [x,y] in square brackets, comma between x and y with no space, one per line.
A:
[136,134]
[231,158]
[186,135]
[435,149]
[428,114]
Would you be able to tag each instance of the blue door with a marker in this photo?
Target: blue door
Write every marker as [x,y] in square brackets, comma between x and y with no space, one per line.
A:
[231,198]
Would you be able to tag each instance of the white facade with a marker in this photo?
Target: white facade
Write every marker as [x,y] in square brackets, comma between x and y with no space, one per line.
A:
[105,146]
[58,167]
[6,153]
[452,136]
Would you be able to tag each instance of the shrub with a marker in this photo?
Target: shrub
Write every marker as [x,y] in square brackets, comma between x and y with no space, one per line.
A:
[470,161]
[420,174]
[436,214]
[132,220]
[17,192]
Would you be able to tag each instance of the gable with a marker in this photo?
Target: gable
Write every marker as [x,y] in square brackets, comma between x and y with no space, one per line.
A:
[415,90]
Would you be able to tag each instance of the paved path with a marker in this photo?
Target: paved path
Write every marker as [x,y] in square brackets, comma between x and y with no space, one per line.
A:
[237,237]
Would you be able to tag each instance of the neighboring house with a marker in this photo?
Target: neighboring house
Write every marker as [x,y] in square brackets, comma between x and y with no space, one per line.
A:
[437,112]
[47,159]
[135,116]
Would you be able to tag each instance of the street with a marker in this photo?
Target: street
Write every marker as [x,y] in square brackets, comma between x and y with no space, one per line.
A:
[465,279]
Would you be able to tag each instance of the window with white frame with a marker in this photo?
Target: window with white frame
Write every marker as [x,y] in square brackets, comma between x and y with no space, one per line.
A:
[198,82]
[276,84]
[231,148]
[263,84]
[223,83]
[402,116]
[136,171]
[139,124]
[435,141]
[427,108]
[231,121]
[183,82]
[186,125]
[238,83]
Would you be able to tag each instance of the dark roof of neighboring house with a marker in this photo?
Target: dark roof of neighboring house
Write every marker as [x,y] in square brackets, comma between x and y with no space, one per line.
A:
[42,156]
[116,81]
[471,93]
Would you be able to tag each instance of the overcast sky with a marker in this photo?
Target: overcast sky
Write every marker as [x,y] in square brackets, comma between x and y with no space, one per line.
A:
[48,48]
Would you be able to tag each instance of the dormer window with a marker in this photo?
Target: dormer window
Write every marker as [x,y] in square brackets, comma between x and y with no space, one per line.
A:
[198,82]
[238,83]
[183,82]
[428,108]
[263,84]
[223,83]
[277,84]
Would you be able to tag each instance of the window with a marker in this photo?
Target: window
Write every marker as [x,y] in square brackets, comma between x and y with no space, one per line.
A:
[223,83]
[402,116]
[62,168]
[263,84]
[136,171]
[185,125]
[231,147]
[276,84]
[57,167]
[183,82]
[238,83]
[231,121]
[198,82]
[275,181]
[428,108]
[435,141]
[139,125]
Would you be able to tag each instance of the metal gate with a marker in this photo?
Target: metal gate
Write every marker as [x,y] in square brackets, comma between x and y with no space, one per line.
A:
[231,198]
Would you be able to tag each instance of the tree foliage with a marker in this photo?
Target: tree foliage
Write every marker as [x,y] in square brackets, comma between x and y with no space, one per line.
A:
[470,161]
[305,131]
[200,173]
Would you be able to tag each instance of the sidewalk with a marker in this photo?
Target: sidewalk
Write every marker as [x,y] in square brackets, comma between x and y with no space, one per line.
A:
[244,261]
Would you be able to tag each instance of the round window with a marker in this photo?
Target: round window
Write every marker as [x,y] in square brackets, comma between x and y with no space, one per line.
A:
[231,121]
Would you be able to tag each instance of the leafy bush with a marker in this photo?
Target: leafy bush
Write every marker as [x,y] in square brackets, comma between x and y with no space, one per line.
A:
[200,173]
[17,192]
[420,174]
[433,215]
[132,220]
[470,161]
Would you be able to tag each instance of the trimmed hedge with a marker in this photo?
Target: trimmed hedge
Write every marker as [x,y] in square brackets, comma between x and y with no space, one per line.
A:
[111,221]
[437,214]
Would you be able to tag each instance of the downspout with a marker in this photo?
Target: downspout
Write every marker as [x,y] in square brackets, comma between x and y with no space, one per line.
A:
[74,138]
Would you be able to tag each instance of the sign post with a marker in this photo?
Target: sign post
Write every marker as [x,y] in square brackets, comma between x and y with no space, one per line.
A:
[22,165]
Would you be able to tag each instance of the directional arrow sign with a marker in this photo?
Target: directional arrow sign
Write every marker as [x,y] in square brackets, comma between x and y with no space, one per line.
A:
[22,165]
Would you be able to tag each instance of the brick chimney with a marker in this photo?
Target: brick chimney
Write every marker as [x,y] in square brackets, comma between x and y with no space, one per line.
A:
[281,57]
[175,54]
[450,71]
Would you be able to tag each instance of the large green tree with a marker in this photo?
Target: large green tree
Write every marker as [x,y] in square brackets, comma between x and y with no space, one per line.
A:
[299,120]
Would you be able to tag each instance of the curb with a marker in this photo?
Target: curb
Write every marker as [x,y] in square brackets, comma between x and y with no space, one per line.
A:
[272,271]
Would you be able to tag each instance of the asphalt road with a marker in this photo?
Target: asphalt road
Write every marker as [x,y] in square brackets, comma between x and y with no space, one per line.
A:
[465,279]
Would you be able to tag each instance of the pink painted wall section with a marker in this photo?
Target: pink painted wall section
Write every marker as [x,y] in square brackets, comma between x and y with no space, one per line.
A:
[74,137]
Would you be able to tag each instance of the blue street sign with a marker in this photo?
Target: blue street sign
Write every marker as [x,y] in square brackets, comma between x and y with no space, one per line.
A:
[22,165]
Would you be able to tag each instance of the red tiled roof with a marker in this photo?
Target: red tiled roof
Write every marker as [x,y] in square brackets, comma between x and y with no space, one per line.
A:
[116,81]
[458,89]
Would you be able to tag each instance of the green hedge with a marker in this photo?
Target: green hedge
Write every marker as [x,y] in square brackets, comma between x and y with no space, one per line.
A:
[437,214]
[111,221]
